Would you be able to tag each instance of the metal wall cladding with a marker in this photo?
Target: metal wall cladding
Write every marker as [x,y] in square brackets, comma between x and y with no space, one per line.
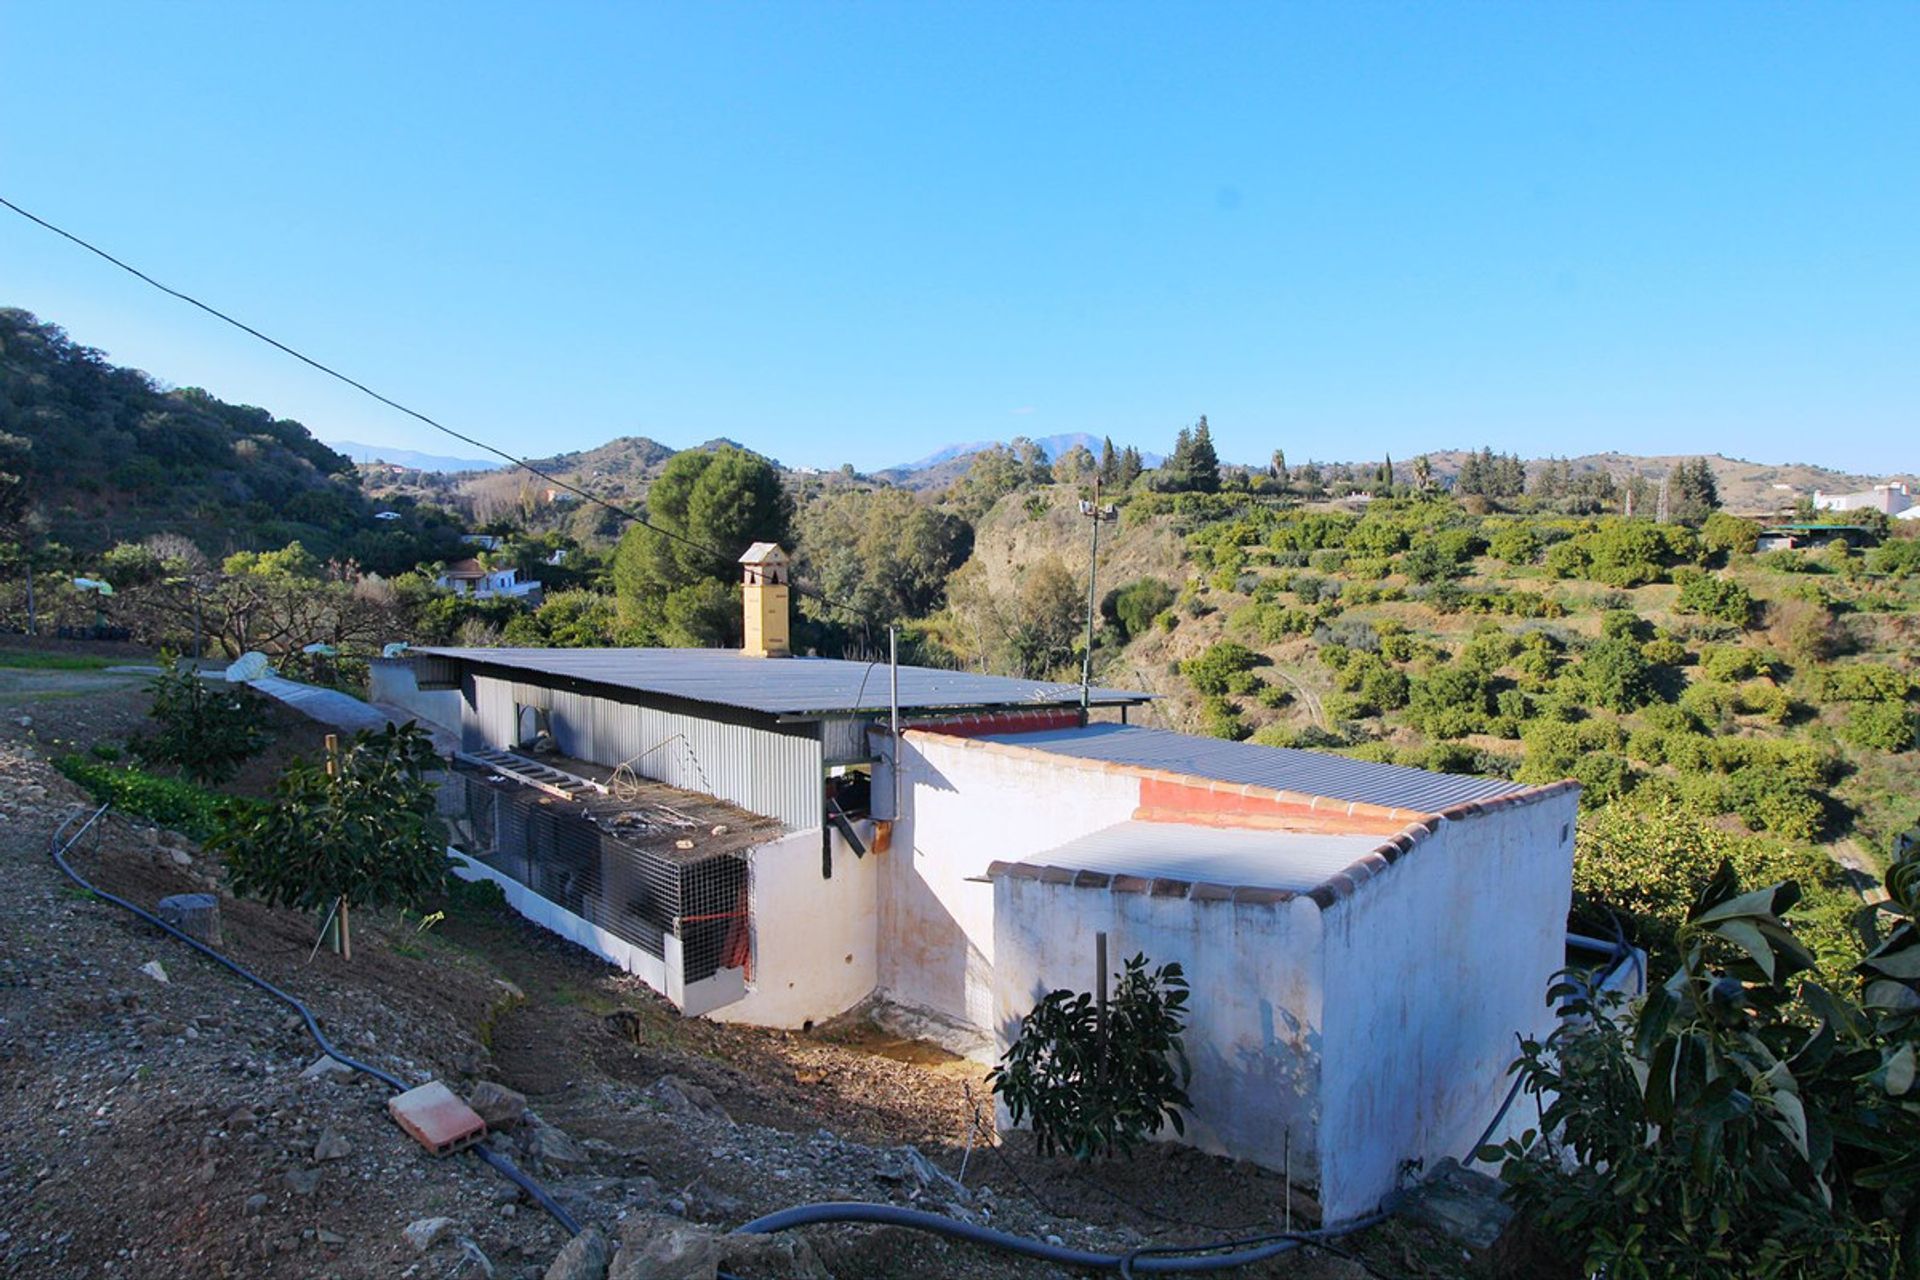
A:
[739,756]
[846,741]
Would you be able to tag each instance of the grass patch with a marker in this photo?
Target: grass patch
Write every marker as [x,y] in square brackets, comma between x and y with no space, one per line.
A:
[28,660]
[173,803]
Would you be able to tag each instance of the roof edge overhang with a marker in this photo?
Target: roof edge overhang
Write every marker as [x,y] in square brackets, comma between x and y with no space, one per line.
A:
[1328,893]
[529,675]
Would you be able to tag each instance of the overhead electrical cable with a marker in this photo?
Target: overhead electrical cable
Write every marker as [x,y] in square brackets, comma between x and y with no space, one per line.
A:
[623,512]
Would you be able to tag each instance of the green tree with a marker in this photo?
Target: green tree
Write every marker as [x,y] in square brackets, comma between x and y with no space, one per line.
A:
[1136,605]
[708,506]
[1692,492]
[885,553]
[1617,675]
[363,834]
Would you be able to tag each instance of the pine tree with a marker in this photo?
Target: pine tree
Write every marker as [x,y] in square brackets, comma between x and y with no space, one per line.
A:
[1109,463]
[1693,492]
[1130,467]
[1203,464]
[1386,472]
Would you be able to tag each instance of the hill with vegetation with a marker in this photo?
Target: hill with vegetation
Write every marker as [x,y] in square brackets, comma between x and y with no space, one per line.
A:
[103,454]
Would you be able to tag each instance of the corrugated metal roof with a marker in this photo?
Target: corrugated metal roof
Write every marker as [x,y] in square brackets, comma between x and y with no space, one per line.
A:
[783,686]
[1218,855]
[1282,768]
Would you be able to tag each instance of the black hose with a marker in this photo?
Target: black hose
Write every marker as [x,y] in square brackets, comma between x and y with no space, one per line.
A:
[498,1162]
[1138,1261]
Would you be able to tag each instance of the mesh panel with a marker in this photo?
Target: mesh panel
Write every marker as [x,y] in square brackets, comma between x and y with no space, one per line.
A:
[635,894]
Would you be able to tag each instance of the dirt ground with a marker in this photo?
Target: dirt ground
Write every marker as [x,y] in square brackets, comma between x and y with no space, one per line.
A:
[164,1129]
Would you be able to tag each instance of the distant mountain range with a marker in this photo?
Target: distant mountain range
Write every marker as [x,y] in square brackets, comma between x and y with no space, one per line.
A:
[411,459]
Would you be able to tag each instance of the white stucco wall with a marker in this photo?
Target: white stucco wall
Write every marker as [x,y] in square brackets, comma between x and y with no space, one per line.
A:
[390,681]
[1432,967]
[964,808]
[1253,1031]
[815,940]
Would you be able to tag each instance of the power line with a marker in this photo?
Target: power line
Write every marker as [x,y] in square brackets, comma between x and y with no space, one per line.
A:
[621,511]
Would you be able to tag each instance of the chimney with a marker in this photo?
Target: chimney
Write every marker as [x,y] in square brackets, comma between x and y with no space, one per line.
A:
[766,601]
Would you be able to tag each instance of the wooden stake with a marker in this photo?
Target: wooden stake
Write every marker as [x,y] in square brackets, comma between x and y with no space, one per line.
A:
[1100,997]
[341,939]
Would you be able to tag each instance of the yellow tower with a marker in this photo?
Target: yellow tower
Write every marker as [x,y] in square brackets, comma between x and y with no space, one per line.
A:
[766,601]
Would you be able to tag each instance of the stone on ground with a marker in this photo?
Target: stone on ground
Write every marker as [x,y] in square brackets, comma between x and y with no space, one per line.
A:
[585,1257]
[499,1106]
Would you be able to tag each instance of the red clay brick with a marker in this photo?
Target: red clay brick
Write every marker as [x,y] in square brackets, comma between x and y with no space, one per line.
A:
[437,1119]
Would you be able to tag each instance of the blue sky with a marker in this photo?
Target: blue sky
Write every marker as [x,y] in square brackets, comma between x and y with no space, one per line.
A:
[856,232]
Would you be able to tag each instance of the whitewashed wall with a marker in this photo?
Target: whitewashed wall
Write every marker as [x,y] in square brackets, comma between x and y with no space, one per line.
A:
[815,940]
[1254,1030]
[964,809]
[1431,968]
[391,681]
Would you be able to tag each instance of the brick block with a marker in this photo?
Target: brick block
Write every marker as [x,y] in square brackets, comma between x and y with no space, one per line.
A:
[436,1118]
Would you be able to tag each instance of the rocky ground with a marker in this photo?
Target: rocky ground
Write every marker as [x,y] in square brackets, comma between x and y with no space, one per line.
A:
[186,1125]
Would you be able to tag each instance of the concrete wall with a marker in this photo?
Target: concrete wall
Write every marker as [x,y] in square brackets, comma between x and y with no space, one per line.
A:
[815,940]
[390,682]
[1432,966]
[963,809]
[1254,1030]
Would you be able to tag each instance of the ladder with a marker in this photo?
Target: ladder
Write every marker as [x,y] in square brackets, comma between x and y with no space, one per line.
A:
[555,782]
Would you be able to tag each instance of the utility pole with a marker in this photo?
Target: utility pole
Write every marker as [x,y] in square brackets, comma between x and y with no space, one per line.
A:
[1098,514]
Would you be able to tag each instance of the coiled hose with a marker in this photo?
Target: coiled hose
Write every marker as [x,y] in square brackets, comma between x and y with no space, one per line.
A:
[499,1163]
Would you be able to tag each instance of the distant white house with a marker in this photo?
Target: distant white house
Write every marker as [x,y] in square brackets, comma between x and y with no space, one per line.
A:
[484,541]
[386,515]
[470,578]
[1893,499]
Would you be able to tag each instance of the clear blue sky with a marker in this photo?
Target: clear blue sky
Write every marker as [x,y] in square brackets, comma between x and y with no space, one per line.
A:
[856,232]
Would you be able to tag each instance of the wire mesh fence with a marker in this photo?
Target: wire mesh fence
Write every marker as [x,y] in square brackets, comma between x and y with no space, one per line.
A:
[639,894]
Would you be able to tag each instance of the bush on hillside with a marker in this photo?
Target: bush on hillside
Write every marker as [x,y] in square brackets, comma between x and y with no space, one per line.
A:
[1137,604]
[1713,596]
[1216,670]
[206,728]
[1617,674]
[1881,726]
[173,803]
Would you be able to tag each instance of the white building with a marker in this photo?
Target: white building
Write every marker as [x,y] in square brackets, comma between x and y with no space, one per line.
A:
[471,578]
[1364,941]
[1892,499]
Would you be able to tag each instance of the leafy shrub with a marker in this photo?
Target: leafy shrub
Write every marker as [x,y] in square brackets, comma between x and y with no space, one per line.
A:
[1617,674]
[1725,534]
[1221,719]
[1645,861]
[1516,544]
[1664,651]
[1214,670]
[171,802]
[1899,558]
[1881,726]
[1451,701]
[1624,624]
[1739,1122]
[1137,604]
[1730,662]
[366,834]
[1093,1090]
[1713,596]
[1858,682]
[207,729]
